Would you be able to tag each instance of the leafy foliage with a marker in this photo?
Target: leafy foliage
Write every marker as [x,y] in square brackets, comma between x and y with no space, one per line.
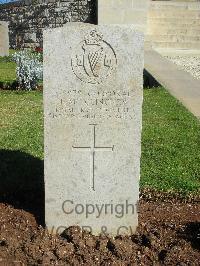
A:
[29,69]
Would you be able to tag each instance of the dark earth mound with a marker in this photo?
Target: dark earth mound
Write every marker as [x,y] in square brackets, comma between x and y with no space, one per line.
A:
[168,234]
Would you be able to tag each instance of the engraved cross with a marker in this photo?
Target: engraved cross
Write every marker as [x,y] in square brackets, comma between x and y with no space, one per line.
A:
[93,149]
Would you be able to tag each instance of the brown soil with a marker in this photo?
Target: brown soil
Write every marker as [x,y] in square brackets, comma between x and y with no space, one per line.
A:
[168,234]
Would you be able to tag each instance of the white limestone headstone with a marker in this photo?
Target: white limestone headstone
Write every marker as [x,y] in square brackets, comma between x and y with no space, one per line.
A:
[4,39]
[93,80]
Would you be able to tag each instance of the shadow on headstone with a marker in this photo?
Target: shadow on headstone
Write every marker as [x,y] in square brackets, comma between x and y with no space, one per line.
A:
[150,81]
[22,182]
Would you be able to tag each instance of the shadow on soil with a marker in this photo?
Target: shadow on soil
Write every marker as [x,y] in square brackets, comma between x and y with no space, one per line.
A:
[191,233]
[22,182]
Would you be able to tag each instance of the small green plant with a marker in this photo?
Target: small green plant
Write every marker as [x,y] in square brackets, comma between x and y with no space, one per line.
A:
[29,69]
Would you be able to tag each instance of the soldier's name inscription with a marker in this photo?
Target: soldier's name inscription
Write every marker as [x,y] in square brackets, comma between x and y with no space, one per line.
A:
[99,104]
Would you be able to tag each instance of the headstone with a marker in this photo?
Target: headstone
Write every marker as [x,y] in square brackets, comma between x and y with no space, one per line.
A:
[4,39]
[93,117]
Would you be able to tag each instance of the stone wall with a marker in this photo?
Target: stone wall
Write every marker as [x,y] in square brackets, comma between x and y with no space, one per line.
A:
[124,12]
[4,40]
[28,18]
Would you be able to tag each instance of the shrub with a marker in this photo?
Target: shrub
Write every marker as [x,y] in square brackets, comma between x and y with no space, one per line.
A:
[29,69]
[39,52]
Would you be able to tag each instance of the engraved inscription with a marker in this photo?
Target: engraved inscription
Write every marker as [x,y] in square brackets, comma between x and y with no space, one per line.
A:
[102,104]
[93,149]
[94,59]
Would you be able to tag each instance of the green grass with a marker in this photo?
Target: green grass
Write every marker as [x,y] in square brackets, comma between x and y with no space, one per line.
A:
[7,69]
[170,144]
[21,120]
[170,141]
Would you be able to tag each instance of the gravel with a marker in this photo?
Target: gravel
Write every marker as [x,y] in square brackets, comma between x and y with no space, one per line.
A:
[190,64]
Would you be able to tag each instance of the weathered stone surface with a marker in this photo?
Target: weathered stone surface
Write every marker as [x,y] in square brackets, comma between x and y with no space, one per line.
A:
[124,12]
[4,40]
[93,117]
[174,24]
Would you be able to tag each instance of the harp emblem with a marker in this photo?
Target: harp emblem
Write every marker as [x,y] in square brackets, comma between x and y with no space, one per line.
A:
[95,59]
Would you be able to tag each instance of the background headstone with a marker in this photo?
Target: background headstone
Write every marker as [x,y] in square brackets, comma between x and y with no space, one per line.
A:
[93,117]
[4,39]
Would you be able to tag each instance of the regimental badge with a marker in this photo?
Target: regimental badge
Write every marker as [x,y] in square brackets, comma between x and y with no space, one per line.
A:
[94,59]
